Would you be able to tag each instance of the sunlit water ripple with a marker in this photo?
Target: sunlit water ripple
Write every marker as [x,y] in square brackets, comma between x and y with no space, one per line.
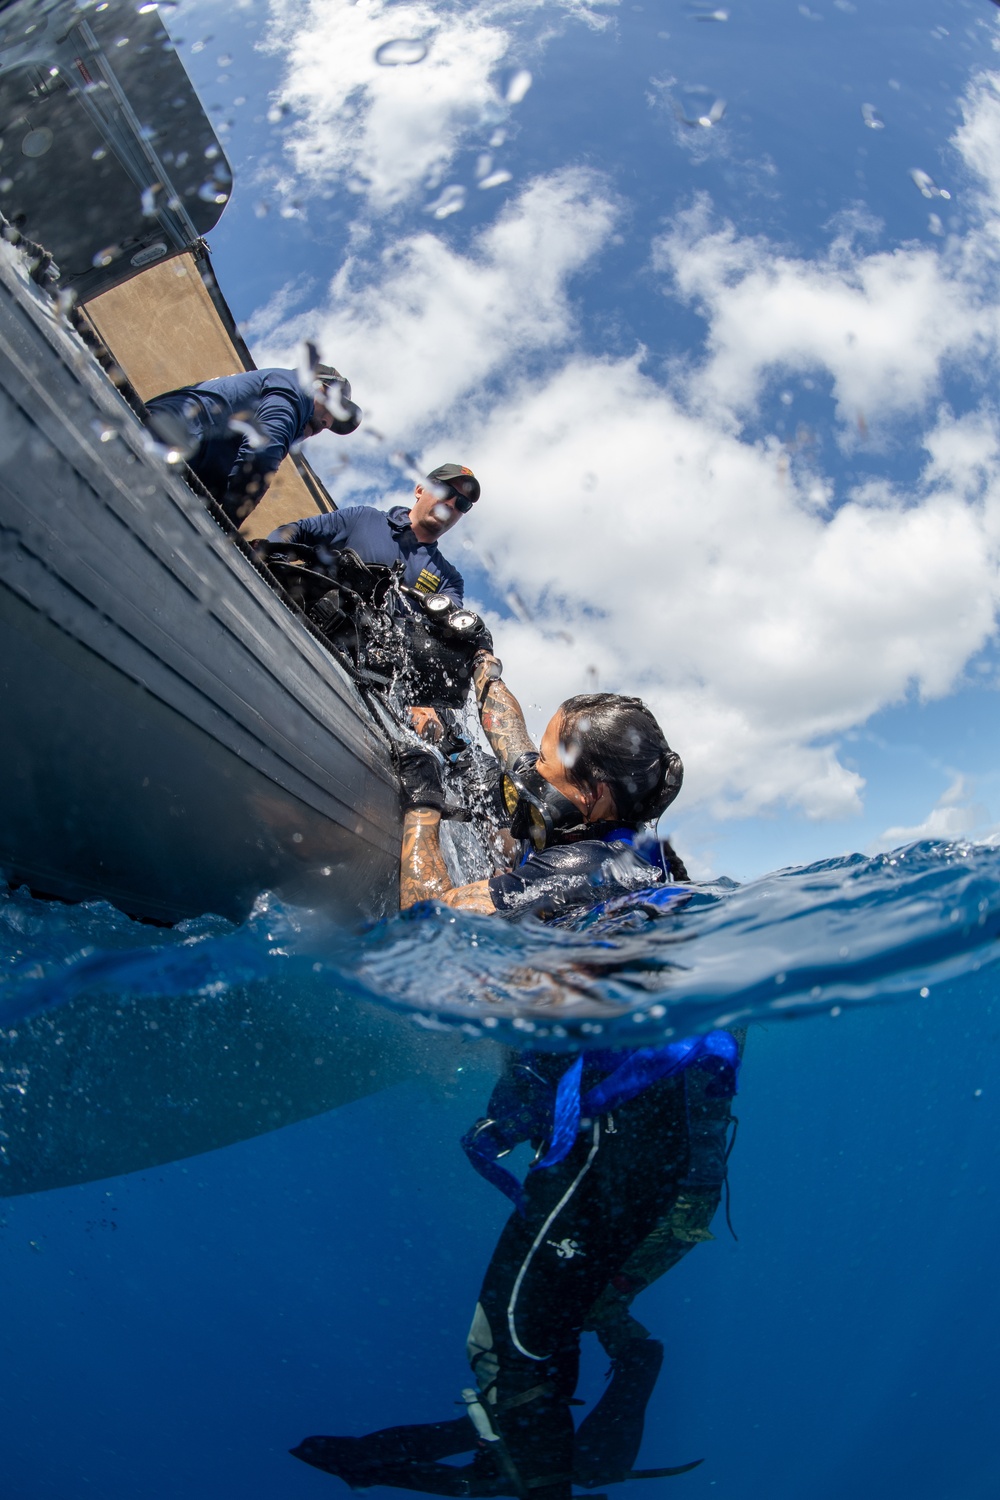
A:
[841,932]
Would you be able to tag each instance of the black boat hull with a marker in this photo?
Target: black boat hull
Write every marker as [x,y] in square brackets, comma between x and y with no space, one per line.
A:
[173,738]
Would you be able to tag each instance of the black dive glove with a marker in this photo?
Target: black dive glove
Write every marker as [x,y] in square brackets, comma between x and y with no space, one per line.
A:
[421,782]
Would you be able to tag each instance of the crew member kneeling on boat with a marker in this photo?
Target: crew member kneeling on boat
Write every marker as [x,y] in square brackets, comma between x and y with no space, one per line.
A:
[236,430]
[631,1145]
[400,535]
[407,535]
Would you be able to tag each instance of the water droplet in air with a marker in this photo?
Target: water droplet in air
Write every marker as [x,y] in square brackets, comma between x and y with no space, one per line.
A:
[708,15]
[871,117]
[105,434]
[495,179]
[225,61]
[254,437]
[703,121]
[148,254]
[484,166]
[37,141]
[408,464]
[517,606]
[210,192]
[149,202]
[497,139]
[451,201]
[277,113]
[262,208]
[401,52]
[106,256]
[518,86]
[926,184]
[934,224]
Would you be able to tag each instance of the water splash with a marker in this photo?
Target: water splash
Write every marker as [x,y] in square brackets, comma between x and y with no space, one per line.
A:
[842,932]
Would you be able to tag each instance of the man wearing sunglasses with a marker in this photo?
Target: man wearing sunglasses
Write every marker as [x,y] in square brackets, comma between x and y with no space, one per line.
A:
[407,535]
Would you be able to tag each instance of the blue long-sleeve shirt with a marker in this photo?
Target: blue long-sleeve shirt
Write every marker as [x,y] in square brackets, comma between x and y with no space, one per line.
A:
[379,536]
[238,427]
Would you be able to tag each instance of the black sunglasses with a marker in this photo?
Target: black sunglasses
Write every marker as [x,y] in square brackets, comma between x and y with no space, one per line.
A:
[463,503]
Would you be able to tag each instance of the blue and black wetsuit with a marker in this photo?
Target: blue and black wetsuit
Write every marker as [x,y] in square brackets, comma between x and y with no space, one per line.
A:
[235,430]
[631,1159]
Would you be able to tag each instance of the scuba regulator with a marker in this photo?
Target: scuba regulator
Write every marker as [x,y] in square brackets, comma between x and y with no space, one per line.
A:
[538,812]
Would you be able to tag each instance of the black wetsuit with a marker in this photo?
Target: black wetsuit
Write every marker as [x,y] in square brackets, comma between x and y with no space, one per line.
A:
[583,1219]
[566,877]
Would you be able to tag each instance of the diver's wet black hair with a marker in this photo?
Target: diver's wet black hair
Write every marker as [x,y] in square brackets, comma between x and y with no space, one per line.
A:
[608,737]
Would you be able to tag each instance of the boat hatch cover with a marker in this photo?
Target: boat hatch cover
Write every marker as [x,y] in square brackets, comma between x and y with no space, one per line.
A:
[109,159]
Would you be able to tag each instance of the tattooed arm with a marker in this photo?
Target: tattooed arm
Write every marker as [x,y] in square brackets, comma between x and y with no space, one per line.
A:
[423,874]
[500,712]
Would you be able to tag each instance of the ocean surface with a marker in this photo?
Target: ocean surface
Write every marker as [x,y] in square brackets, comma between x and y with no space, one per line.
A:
[284,1237]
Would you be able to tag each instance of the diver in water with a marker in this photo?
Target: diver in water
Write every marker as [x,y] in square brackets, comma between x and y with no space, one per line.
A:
[576,804]
[236,430]
[630,1144]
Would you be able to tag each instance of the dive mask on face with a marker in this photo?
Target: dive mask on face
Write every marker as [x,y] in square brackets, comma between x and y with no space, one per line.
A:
[537,811]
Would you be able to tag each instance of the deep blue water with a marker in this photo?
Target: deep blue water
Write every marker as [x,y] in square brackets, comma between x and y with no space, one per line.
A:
[174,1331]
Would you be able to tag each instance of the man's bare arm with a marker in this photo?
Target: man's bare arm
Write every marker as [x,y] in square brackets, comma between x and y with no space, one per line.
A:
[500,713]
[423,874]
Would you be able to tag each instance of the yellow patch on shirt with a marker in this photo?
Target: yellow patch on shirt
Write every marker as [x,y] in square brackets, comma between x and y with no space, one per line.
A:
[427,582]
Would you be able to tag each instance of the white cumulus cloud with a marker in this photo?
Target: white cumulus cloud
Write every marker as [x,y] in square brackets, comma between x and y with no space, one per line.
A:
[657,548]
[882,325]
[426,327]
[952,817]
[392,128]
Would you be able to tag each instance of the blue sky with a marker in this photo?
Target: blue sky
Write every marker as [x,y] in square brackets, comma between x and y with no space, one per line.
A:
[729,386]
